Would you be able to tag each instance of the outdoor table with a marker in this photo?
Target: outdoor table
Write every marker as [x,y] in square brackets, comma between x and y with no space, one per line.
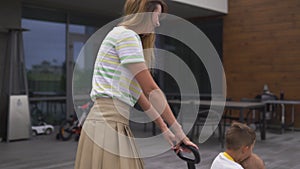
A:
[283,103]
[232,105]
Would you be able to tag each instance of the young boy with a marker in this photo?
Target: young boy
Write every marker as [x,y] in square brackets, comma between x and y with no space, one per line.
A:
[239,143]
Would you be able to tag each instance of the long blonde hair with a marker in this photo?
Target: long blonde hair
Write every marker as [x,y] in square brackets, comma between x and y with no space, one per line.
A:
[134,21]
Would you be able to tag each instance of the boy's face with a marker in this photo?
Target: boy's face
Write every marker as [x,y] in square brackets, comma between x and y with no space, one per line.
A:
[253,162]
[245,152]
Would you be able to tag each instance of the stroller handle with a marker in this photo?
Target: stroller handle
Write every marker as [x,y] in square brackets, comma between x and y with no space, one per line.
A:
[197,158]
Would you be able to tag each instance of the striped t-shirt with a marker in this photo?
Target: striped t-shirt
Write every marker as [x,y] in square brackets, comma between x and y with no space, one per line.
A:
[110,78]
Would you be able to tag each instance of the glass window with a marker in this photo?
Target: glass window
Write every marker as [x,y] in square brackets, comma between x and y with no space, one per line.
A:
[82,29]
[77,28]
[45,55]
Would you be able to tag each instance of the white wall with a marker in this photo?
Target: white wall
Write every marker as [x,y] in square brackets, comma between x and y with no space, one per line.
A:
[215,5]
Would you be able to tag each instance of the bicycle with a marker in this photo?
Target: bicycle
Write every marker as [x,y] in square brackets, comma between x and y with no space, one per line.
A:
[72,126]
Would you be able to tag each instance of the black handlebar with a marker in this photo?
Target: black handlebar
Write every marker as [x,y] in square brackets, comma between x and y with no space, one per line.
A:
[190,162]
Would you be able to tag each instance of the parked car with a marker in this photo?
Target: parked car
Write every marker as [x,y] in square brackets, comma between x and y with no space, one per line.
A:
[42,128]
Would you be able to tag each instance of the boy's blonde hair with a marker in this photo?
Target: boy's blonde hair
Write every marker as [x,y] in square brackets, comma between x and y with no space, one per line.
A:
[239,135]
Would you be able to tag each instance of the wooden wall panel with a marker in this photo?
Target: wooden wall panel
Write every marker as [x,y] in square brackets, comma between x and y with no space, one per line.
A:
[261,45]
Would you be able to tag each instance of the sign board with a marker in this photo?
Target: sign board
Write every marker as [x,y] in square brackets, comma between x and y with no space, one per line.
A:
[18,118]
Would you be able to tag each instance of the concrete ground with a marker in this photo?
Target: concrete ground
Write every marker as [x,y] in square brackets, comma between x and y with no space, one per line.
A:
[279,151]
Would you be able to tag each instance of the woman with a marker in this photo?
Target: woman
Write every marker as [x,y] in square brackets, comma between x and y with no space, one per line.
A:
[121,79]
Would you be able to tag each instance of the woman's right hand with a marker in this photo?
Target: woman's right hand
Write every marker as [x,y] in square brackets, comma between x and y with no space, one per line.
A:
[186,141]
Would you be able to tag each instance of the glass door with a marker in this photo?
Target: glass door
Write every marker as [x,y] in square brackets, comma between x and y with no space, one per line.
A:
[76,44]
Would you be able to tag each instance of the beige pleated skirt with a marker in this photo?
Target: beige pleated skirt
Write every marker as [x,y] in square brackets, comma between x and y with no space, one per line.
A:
[106,141]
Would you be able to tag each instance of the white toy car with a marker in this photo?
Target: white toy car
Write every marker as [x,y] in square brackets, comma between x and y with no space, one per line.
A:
[42,128]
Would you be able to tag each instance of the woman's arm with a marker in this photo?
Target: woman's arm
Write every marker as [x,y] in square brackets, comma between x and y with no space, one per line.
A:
[156,98]
[155,116]
[151,91]
[151,112]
